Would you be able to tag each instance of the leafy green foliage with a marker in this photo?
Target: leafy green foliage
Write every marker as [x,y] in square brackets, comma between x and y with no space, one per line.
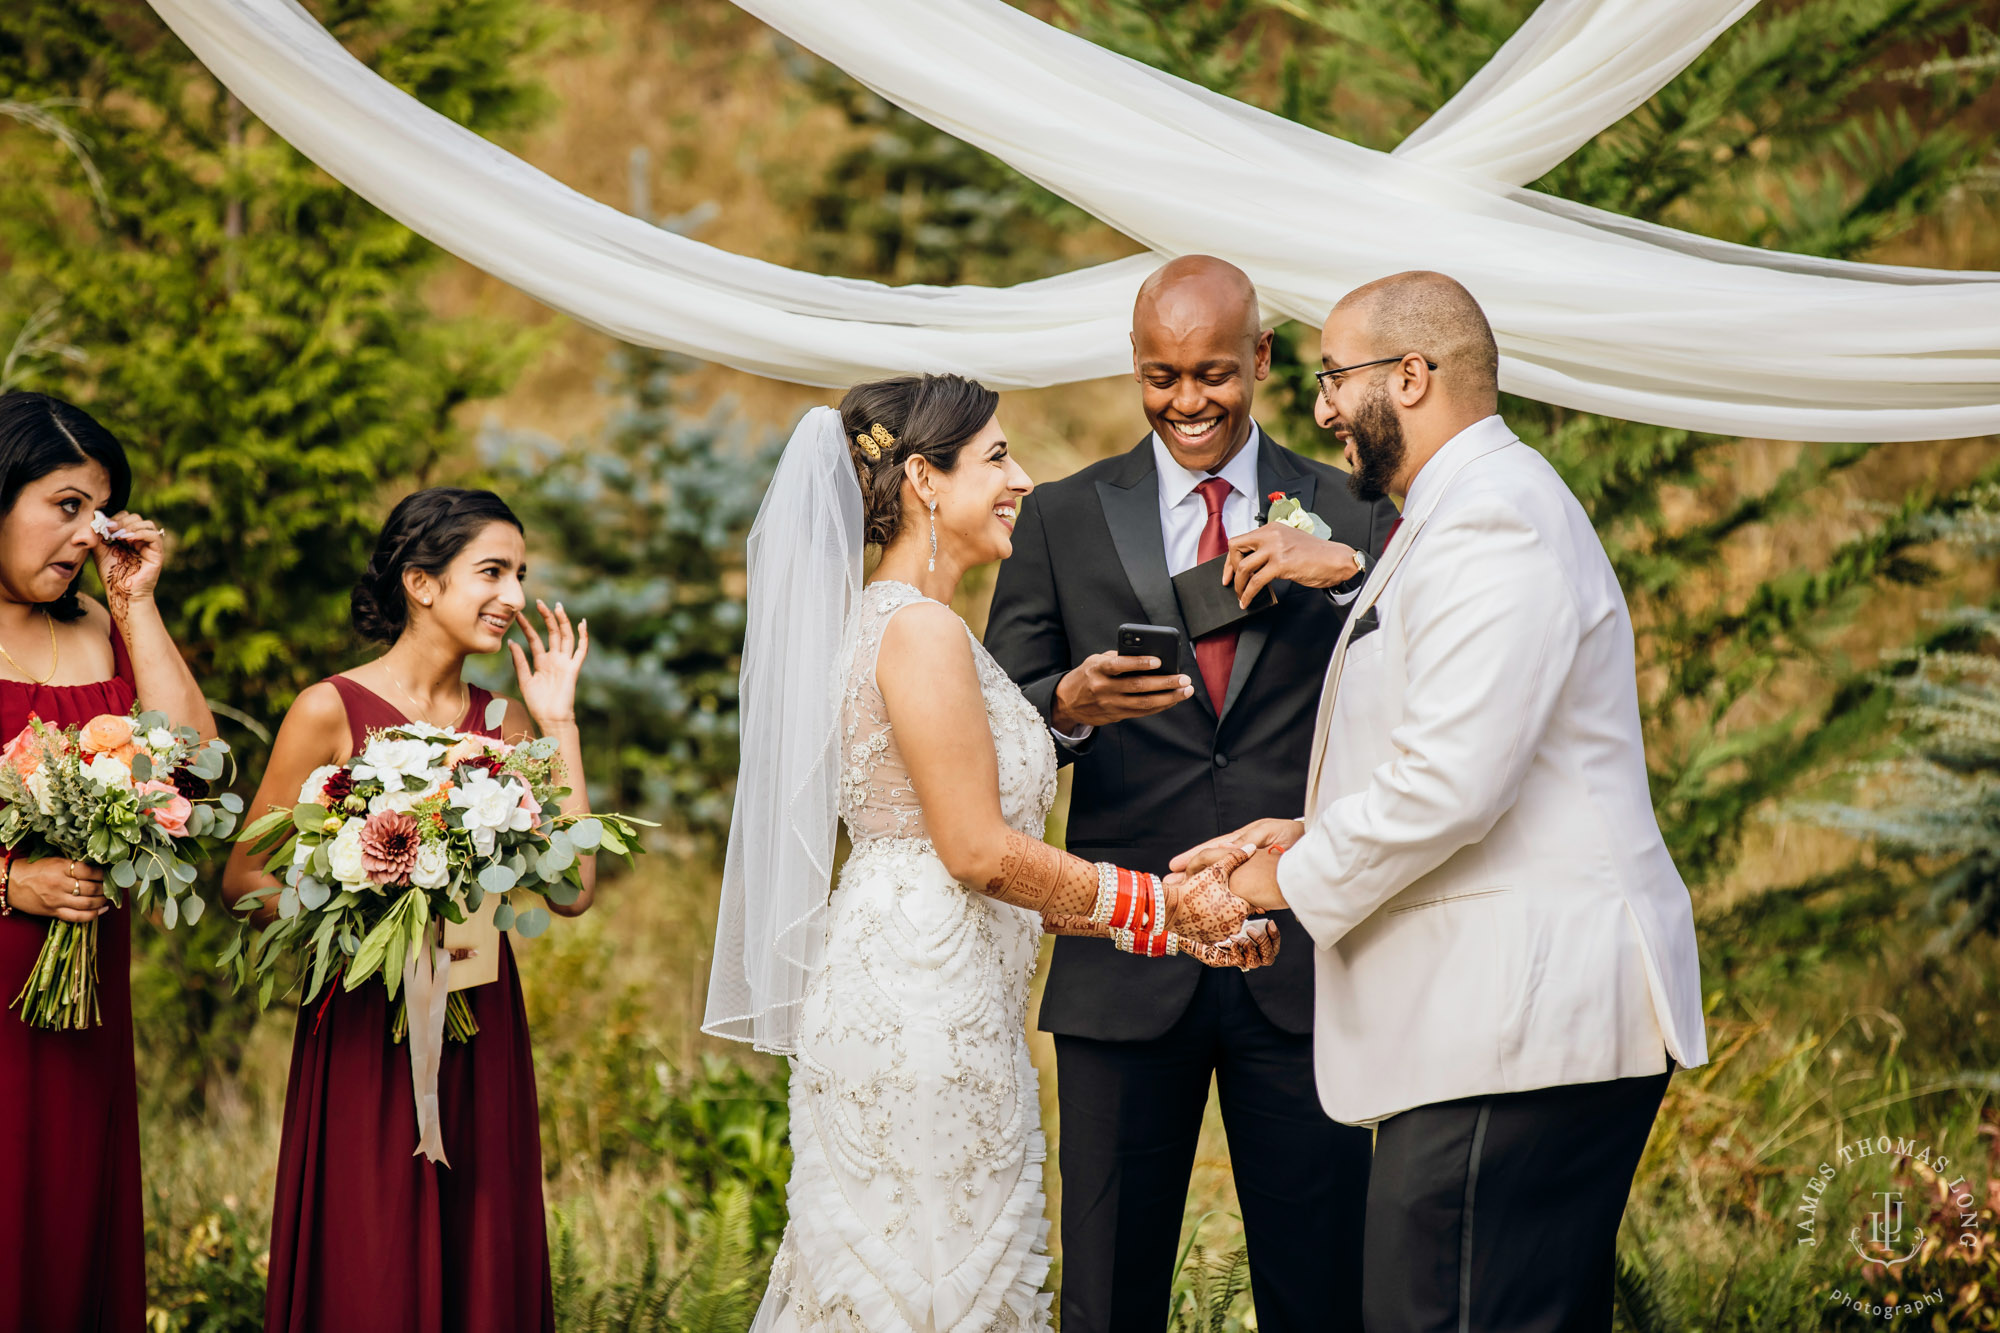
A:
[207,1276]
[644,525]
[908,203]
[252,330]
[715,1289]
[1208,1287]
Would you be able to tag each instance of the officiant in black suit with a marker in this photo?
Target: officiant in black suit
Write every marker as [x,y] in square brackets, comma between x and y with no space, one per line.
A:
[1164,759]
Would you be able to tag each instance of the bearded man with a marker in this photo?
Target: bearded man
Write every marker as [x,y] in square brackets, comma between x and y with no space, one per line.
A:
[1505,966]
[1163,757]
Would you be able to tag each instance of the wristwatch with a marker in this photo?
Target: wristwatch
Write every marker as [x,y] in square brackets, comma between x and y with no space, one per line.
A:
[1340,591]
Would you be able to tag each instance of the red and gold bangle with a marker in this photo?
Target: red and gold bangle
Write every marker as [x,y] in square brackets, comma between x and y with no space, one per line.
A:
[1137,909]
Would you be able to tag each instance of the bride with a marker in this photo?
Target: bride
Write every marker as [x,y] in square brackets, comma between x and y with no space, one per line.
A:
[901,997]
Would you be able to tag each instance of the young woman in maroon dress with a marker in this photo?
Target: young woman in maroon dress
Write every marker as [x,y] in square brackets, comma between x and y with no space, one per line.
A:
[72,1254]
[366,1237]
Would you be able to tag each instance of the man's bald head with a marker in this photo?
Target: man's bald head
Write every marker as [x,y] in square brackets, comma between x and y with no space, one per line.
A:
[1434,315]
[1198,351]
[1198,289]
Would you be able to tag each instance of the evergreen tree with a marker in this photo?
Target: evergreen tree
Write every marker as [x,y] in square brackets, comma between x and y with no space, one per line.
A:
[645,525]
[256,335]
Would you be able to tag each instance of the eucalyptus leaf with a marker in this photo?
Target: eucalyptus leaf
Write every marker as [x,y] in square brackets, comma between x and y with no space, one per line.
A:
[124,874]
[503,916]
[496,712]
[499,878]
[313,893]
[142,769]
[231,802]
[288,904]
[170,912]
[196,905]
[585,834]
[532,922]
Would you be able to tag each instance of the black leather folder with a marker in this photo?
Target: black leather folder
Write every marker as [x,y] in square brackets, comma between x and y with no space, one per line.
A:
[1208,604]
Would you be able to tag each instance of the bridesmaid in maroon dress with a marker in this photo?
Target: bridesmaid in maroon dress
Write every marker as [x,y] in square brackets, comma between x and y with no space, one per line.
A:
[366,1237]
[72,1253]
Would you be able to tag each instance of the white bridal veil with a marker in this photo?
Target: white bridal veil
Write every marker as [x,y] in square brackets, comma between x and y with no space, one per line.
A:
[805,573]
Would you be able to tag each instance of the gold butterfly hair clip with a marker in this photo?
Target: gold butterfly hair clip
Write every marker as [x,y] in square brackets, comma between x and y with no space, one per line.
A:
[875,441]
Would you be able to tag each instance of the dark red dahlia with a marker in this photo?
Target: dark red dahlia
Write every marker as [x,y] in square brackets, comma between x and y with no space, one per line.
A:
[188,785]
[491,763]
[339,784]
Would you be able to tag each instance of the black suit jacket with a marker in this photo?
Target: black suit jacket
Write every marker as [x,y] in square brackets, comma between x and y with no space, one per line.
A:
[1089,556]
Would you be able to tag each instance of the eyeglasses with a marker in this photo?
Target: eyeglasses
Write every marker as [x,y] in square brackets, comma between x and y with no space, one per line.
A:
[1329,380]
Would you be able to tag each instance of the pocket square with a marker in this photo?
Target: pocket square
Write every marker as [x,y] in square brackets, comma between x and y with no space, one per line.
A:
[1367,625]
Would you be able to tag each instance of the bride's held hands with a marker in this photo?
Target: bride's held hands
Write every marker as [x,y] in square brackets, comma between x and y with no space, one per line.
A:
[1202,908]
[1256,945]
[548,670]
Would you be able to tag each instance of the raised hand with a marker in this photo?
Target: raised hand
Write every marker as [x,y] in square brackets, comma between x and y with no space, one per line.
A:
[1256,945]
[130,553]
[548,671]
[1202,908]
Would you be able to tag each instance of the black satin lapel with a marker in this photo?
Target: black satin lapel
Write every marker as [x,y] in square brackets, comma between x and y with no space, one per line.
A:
[1272,476]
[1133,515]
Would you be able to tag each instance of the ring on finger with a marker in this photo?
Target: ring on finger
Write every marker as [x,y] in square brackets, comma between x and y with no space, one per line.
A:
[75,890]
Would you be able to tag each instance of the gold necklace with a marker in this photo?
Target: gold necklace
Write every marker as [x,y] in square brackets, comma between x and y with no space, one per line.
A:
[55,660]
[464,704]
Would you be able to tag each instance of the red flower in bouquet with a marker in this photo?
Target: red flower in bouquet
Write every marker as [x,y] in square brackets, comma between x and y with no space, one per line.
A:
[389,844]
[338,787]
[187,784]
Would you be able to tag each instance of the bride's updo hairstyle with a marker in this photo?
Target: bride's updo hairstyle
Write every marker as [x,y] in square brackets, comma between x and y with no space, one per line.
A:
[426,530]
[40,435]
[889,422]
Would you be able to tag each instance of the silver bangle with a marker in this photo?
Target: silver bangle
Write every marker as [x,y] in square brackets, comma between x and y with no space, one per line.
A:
[1107,894]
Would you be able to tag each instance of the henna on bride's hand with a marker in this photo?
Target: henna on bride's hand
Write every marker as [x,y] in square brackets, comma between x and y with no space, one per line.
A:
[1206,910]
[1256,945]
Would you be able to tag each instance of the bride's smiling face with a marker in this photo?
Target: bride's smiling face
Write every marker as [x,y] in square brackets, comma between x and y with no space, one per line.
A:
[978,501]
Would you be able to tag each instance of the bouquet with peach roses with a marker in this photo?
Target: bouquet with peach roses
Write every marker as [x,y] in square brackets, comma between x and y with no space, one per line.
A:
[127,792]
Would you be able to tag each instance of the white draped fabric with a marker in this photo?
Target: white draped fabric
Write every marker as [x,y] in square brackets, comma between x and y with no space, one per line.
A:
[1592,310]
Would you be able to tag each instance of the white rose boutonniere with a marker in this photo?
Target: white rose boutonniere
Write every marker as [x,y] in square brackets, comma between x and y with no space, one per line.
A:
[1288,511]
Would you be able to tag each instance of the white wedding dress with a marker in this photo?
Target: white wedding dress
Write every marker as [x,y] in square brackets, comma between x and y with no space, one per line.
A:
[916,1189]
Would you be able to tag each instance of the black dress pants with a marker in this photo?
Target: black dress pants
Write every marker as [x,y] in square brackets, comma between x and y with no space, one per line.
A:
[1131,1115]
[1500,1214]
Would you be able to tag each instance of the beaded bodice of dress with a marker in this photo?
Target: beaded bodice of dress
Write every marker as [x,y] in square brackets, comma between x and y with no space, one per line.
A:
[876,798]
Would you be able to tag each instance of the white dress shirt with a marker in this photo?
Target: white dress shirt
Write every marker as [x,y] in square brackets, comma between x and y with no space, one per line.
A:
[1183,513]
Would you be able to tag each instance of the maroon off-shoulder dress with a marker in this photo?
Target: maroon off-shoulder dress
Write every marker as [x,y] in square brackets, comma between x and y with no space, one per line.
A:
[72,1239]
[366,1237]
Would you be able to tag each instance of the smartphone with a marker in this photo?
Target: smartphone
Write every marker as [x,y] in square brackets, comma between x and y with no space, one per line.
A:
[1161,641]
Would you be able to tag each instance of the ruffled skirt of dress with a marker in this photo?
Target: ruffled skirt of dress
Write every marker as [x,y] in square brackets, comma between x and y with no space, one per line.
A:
[916,1192]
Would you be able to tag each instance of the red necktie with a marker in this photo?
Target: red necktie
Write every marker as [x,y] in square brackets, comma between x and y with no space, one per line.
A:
[1392,532]
[1215,653]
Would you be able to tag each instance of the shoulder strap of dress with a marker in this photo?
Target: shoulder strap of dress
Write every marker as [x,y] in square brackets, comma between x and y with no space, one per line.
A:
[358,701]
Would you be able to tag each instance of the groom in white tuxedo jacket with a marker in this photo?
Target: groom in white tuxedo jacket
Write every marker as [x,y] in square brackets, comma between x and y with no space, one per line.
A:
[1505,971]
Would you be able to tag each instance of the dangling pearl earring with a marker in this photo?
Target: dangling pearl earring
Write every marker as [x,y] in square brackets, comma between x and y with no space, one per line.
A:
[933,564]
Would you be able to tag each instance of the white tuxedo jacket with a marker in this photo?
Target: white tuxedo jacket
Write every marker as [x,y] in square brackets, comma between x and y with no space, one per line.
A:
[1482,873]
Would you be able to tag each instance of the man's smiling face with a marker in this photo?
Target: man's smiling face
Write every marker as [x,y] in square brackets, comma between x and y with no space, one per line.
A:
[1198,353]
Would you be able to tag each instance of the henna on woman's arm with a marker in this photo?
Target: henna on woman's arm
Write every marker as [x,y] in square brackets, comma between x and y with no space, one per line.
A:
[1043,879]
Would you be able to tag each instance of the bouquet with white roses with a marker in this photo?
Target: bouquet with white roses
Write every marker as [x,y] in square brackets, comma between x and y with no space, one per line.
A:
[128,792]
[417,830]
